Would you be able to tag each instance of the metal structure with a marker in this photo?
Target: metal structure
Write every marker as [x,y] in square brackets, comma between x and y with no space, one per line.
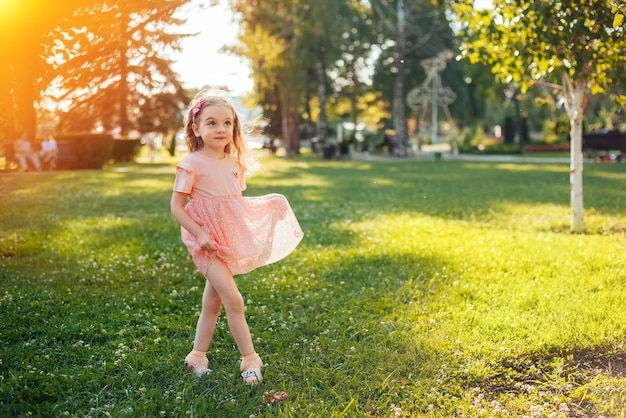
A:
[432,92]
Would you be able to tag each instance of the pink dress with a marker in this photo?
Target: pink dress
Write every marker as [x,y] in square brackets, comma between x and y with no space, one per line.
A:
[250,232]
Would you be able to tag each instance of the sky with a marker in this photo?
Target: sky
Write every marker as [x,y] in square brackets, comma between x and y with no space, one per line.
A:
[201,63]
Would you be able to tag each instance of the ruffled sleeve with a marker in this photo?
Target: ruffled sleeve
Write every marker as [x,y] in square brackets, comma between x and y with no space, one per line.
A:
[185,176]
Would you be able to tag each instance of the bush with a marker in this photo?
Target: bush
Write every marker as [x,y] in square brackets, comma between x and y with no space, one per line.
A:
[544,146]
[84,151]
[472,137]
[490,148]
[125,149]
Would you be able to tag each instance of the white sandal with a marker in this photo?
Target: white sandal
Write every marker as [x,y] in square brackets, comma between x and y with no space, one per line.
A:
[251,369]
[197,363]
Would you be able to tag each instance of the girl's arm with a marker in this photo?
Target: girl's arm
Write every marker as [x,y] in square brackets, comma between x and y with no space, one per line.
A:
[177,204]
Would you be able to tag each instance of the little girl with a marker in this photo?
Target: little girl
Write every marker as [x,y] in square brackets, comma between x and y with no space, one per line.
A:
[225,233]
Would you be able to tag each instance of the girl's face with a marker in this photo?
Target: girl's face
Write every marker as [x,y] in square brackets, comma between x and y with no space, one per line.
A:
[215,125]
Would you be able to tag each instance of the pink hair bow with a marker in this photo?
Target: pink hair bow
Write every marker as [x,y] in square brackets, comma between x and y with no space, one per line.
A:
[196,108]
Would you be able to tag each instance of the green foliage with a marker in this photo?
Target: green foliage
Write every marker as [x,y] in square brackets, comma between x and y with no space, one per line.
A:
[286,42]
[429,289]
[619,11]
[427,32]
[557,130]
[542,40]
[474,135]
[293,47]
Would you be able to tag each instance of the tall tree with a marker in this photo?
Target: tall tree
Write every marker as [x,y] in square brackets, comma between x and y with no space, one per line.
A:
[268,39]
[110,63]
[572,44]
[409,30]
[24,28]
[293,47]
[328,32]
[349,79]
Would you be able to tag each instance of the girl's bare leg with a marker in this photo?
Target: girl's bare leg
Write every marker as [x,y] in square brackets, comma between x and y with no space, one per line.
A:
[211,306]
[197,361]
[222,281]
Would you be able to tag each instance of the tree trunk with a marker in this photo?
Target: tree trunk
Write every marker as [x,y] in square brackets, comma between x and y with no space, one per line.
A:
[22,94]
[575,101]
[322,123]
[294,131]
[354,109]
[25,99]
[399,119]
[289,124]
[285,125]
[308,121]
[123,91]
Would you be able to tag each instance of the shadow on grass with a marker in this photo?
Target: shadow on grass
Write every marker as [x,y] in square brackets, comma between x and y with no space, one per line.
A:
[585,374]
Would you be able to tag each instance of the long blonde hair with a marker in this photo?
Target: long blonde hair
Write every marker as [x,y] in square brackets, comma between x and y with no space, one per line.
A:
[239,148]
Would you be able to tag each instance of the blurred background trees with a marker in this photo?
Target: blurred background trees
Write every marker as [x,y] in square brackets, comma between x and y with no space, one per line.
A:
[316,65]
[24,27]
[101,65]
[110,61]
[86,65]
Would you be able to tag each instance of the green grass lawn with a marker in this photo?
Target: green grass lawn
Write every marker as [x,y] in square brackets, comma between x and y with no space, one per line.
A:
[434,288]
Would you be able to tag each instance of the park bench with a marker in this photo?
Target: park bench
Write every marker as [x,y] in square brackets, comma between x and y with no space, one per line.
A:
[601,144]
[66,157]
[81,151]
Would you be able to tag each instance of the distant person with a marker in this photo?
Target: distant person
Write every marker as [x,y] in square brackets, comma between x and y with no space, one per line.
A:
[24,152]
[150,141]
[226,233]
[390,141]
[49,151]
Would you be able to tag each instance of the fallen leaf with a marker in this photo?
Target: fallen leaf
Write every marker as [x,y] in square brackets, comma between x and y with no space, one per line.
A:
[276,397]
[281,395]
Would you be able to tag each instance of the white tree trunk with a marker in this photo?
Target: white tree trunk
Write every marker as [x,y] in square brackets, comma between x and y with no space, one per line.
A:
[575,101]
